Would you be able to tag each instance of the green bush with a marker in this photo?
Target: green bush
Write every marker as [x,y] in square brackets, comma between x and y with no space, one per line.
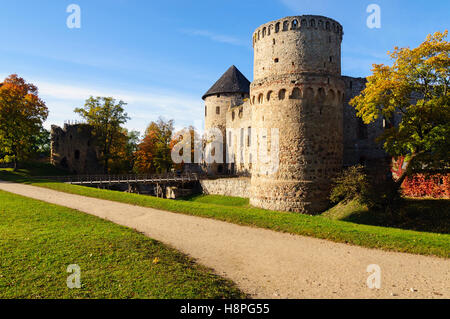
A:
[351,184]
[355,183]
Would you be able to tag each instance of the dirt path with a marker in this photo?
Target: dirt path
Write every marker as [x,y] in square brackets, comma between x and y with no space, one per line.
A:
[268,264]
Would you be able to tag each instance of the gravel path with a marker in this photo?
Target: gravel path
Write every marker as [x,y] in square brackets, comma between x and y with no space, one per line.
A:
[268,264]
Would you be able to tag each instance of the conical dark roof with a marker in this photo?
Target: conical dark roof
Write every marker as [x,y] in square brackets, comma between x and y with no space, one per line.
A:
[232,81]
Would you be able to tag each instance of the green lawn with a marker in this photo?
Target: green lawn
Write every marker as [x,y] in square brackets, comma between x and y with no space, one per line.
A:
[219,200]
[426,215]
[38,241]
[393,239]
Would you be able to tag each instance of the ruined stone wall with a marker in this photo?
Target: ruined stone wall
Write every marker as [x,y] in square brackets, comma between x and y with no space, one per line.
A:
[74,148]
[235,187]
[299,91]
[360,146]
[216,108]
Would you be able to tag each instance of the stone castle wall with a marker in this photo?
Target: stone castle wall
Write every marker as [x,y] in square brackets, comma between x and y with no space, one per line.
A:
[216,109]
[299,91]
[235,187]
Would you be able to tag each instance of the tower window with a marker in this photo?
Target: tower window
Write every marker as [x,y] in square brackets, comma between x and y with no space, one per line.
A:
[77,154]
[282,94]
[218,110]
[249,137]
[206,111]
[233,115]
[276,60]
[331,59]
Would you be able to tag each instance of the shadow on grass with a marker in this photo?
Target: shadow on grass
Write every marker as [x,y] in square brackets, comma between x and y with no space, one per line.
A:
[425,215]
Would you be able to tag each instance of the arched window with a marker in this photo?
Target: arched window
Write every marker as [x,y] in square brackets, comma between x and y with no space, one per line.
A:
[282,94]
[253,100]
[285,25]
[269,29]
[264,32]
[328,25]
[277,27]
[260,99]
[296,94]
[294,24]
[331,96]
[320,24]
[304,23]
[259,35]
[309,94]
[321,96]
[269,95]
[312,23]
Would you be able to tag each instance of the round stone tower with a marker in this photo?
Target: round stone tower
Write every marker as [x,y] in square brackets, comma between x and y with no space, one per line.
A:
[297,95]
[230,90]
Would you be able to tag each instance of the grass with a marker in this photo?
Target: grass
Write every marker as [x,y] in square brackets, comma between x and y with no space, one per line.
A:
[38,241]
[392,239]
[426,215]
[218,200]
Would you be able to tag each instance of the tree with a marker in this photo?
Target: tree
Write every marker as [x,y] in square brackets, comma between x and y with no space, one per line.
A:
[123,152]
[186,137]
[41,143]
[22,114]
[106,116]
[414,90]
[153,154]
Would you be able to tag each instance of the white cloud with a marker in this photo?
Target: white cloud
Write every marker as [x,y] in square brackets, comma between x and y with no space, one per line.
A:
[215,37]
[142,107]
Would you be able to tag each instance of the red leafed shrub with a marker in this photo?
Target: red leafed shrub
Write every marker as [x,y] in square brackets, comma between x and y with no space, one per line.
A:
[422,185]
[436,186]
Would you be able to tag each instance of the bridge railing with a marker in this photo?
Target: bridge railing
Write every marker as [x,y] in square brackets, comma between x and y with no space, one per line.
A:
[123,178]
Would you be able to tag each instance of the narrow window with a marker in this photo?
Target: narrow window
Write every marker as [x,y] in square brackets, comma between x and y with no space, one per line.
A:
[242,137]
[77,154]
[206,111]
[233,116]
[331,59]
[218,110]
[277,27]
[282,94]
[249,137]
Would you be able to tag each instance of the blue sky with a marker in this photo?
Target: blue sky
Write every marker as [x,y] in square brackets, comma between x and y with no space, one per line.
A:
[161,56]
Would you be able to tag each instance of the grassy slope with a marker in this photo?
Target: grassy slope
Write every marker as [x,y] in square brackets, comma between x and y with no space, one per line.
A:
[427,215]
[313,226]
[38,241]
[219,200]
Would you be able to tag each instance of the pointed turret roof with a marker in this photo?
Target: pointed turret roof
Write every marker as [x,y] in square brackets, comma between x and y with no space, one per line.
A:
[232,81]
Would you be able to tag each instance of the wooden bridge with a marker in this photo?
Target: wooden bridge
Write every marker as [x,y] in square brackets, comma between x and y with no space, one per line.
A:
[98,180]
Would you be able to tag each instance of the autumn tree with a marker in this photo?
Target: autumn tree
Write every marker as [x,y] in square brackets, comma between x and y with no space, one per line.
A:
[415,92]
[106,116]
[186,138]
[153,154]
[22,114]
[123,152]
